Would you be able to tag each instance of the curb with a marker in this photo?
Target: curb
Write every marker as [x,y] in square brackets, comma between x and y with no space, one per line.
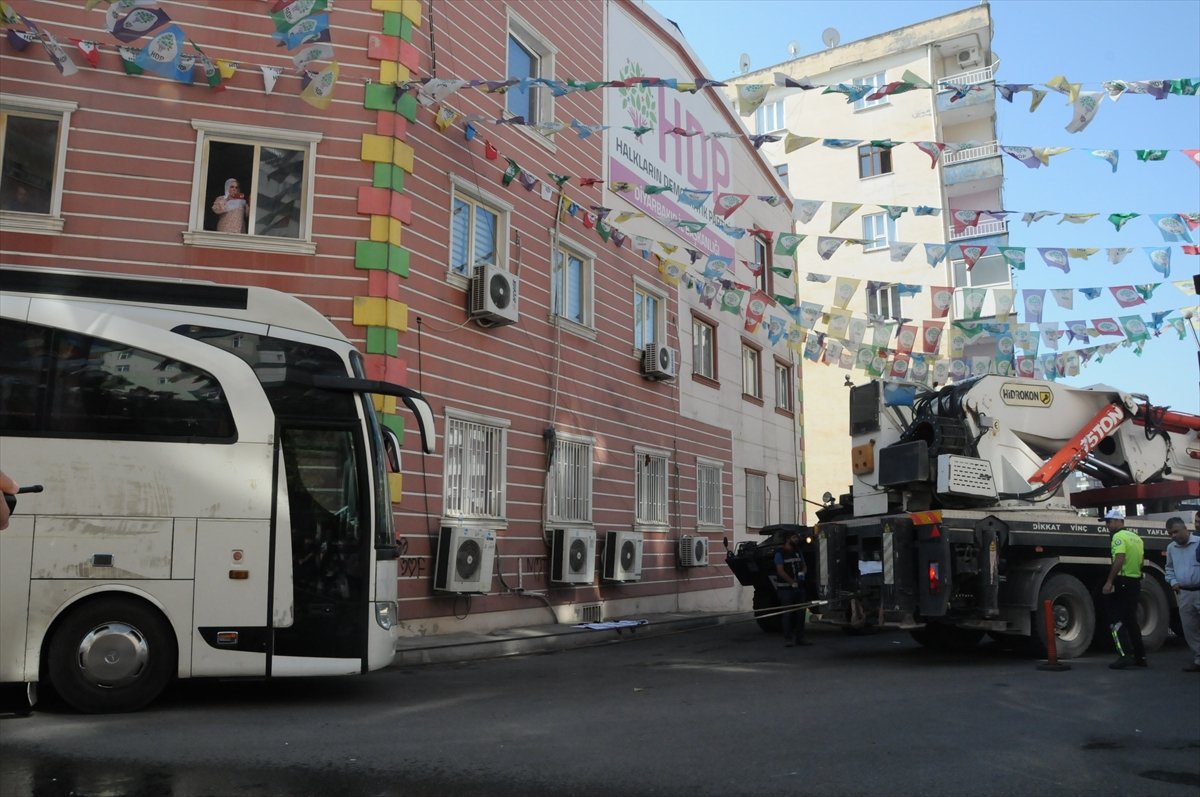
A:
[449,648]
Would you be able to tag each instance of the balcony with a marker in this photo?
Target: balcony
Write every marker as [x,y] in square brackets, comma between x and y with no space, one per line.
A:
[977,104]
[980,230]
[988,150]
[974,170]
[983,74]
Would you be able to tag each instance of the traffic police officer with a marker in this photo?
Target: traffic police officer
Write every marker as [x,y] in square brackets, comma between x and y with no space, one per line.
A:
[1123,587]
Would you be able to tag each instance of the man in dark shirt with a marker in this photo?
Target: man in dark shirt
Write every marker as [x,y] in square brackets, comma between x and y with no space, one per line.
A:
[790,570]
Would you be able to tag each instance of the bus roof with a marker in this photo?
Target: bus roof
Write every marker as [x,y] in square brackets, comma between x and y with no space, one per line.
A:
[263,305]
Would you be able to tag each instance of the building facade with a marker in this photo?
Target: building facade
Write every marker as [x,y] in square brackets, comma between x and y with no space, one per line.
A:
[881,169]
[493,246]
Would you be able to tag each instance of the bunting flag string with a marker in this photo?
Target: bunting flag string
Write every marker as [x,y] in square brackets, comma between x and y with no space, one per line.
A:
[751,94]
[302,25]
[436,90]
[787,243]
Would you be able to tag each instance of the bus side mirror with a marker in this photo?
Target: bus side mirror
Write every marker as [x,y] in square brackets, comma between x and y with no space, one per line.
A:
[391,449]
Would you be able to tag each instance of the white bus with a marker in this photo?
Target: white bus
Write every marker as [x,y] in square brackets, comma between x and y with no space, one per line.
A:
[215,488]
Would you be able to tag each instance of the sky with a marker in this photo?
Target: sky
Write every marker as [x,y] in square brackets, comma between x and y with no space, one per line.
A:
[1036,40]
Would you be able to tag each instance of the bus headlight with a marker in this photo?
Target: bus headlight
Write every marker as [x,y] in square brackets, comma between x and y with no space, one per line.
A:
[386,614]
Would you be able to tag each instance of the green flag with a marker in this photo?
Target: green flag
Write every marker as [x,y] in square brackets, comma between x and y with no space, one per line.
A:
[511,172]
[1119,219]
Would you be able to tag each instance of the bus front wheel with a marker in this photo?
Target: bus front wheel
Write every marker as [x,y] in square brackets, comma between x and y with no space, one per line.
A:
[111,654]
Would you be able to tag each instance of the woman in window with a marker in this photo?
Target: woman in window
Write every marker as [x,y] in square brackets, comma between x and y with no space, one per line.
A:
[231,207]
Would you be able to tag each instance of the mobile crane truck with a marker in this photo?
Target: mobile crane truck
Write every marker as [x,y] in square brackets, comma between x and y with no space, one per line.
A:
[957,523]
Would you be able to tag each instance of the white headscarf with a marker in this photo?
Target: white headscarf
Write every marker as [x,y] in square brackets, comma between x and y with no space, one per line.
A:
[230,202]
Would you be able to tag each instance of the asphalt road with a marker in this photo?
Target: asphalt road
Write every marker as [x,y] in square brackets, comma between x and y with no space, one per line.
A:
[724,710]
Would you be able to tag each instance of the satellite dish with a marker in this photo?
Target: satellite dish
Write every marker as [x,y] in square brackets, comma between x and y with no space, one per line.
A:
[744,63]
[793,49]
[831,37]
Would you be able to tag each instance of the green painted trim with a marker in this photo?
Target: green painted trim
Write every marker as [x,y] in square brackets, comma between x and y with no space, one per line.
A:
[398,260]
[393,23]
[393,422]
[371,255]
[407,106]
[380,97]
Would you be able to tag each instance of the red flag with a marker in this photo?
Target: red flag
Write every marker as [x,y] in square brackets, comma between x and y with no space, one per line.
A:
[588,182]
[1190,249]
[91,53]
[1193,155]
[971,254]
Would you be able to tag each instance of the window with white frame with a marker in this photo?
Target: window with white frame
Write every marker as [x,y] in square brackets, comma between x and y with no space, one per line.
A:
[478,229]
[253,188]
[530,55]
[878,230]
[874,81]
[988,270]
[33,151]
[649,317]
[762,263]
[783,386]
[474,463]
[769,117]
[651,486]
[571,496]
[571,284]
[787,500]
[884,301]
[704,348]
[781,169]
[756,500]
[708,493]
[751,371]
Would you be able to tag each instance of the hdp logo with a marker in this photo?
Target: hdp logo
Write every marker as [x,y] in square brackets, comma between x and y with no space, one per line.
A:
[639,100]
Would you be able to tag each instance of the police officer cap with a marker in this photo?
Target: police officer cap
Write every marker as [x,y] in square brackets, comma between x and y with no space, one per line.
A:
[1114,514]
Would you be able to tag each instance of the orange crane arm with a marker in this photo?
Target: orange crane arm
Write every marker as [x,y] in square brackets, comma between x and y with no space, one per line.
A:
[1083,443]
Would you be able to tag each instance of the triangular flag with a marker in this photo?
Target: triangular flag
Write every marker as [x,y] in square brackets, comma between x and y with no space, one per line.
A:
[840,211]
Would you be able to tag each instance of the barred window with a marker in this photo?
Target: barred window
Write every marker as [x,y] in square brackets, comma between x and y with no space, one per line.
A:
[474,468]
[708,493]
[651,486]
[571,496]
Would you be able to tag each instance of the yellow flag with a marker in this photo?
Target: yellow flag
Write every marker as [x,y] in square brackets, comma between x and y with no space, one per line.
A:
[227,68]
[792,142]
[1060,84]
[319,91]
[1044,154]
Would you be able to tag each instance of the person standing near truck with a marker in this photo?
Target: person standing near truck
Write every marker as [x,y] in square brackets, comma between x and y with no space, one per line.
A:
[1123,587]
[1183,575]
[790,570]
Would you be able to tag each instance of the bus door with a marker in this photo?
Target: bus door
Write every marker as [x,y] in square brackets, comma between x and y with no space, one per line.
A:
[327,525]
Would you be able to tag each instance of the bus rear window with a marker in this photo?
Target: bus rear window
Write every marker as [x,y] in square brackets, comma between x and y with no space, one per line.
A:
[59,383]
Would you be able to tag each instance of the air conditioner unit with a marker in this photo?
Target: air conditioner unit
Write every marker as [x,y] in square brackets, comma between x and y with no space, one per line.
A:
[969,57]
[572,556]
[693,551]
[465,558]
[658,362]
[493,296]
[623,556]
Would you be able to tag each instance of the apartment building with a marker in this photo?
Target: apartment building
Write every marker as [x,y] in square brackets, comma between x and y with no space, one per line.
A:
[603,425]
[949,53]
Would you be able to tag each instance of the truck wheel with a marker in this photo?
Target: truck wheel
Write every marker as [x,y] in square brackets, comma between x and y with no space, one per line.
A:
[1153,613]
[111,654]
[1074,617]
[939,636]
[765,602]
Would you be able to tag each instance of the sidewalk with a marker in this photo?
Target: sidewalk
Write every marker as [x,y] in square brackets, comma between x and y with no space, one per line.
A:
[446,648]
